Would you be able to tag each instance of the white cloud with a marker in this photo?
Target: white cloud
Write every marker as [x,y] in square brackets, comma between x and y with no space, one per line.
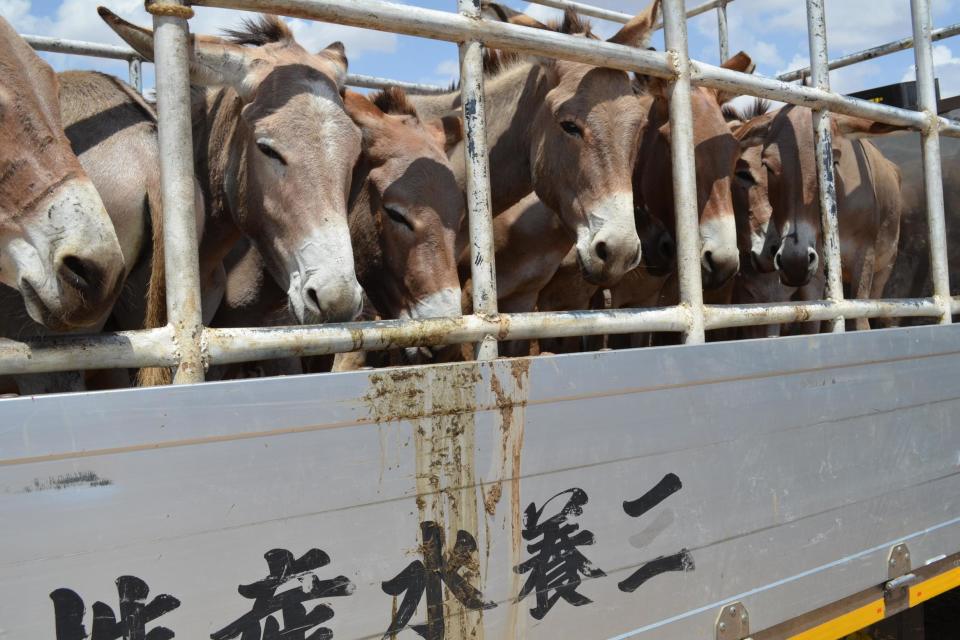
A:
[946,68]
[78,20]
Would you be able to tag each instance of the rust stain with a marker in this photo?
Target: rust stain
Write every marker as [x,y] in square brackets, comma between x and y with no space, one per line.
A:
[440,403]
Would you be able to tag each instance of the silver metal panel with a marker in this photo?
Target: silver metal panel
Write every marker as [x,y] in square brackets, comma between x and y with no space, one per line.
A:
[802,461]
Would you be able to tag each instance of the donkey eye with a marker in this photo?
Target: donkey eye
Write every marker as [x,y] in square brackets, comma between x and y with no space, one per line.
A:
[398,217]
[572,128]
[270,152]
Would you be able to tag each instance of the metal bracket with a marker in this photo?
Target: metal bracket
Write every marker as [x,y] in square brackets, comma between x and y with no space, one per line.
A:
[896,591]
[733,622]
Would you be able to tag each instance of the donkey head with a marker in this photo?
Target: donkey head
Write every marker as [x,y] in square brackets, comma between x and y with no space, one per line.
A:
[584,146]
[787,145]
[416,206]
[57,244]
[298,150]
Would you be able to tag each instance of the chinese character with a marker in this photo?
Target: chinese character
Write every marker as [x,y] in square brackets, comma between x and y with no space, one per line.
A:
[134,614]
[557,564]
[681,561]
[297,622]
[429,576]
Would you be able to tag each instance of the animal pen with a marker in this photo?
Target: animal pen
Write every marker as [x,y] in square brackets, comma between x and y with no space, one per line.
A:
[794,488]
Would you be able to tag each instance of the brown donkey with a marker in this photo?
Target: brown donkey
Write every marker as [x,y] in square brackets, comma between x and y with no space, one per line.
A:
[405,212]
[57,246]
[567,131]
[274,148]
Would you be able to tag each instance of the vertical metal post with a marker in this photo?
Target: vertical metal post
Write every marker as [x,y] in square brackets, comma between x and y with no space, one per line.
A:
[171,49]
[722,32]
[684,173]
[136,77]
[820,77]
[932,169]
[482,268]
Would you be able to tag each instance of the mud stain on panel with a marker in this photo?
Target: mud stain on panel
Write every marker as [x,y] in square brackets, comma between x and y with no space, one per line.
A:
[67,481]
[439,403]
[511,400]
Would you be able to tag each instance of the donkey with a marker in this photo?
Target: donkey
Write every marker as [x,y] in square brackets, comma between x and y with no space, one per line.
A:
[274,148]
[868,201]
[60,259]
[405,212]
[567,131]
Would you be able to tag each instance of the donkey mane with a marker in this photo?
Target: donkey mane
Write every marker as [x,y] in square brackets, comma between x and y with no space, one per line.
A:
[393,100]
[264,29]
[757,108]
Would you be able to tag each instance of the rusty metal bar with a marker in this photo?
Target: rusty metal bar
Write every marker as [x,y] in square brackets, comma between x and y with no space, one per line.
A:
[241,345]
[128,349]
[696,11]
[684,173]
[932,169]
[479,212]
[175,136]
[745,315]
[873,52]
[823,148]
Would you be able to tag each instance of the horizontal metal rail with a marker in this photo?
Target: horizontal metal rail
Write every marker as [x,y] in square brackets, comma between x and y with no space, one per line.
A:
[745,315]
[117,52]
[617,16]
[871,53]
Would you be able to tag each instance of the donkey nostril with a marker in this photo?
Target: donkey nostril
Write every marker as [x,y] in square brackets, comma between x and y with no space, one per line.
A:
[708,259]
[76,272]
[776,261]
[601,250]
[313,298]
[812,256]
[773,251]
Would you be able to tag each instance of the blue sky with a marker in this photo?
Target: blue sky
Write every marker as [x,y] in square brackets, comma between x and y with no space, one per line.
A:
[772,31]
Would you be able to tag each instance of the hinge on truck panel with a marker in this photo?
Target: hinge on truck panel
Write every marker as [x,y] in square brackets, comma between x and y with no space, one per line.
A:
[733,622]
[896,591]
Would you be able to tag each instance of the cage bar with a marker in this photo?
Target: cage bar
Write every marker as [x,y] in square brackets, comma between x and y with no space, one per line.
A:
[175,136]
[932,169]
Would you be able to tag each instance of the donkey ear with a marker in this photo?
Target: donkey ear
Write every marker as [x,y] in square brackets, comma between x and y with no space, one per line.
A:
[853,127]
[742,63]
[635,32]
[754,131]
[364,113]
[448,130]
[212,61]
[501,13]
[336,54]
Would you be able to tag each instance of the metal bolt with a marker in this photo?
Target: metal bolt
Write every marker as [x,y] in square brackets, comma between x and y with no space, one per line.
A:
[722,626]
[893,561]
[743,617]
[733,611]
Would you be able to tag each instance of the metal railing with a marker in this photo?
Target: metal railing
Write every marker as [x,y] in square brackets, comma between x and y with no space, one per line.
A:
[188,345]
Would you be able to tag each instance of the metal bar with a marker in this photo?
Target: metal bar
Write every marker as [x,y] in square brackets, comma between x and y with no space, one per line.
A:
[483,271]
[873,52]
[241,345]
[135,74]
[80,48]
[723,34]
[130,349]
[745,315]
[175,136]
[617,16]
[373,82]
[703,8]
[932,169]
[442,25]
[823,148]
[684,173]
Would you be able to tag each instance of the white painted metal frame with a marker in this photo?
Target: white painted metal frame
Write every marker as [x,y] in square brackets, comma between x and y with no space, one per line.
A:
[186,343]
